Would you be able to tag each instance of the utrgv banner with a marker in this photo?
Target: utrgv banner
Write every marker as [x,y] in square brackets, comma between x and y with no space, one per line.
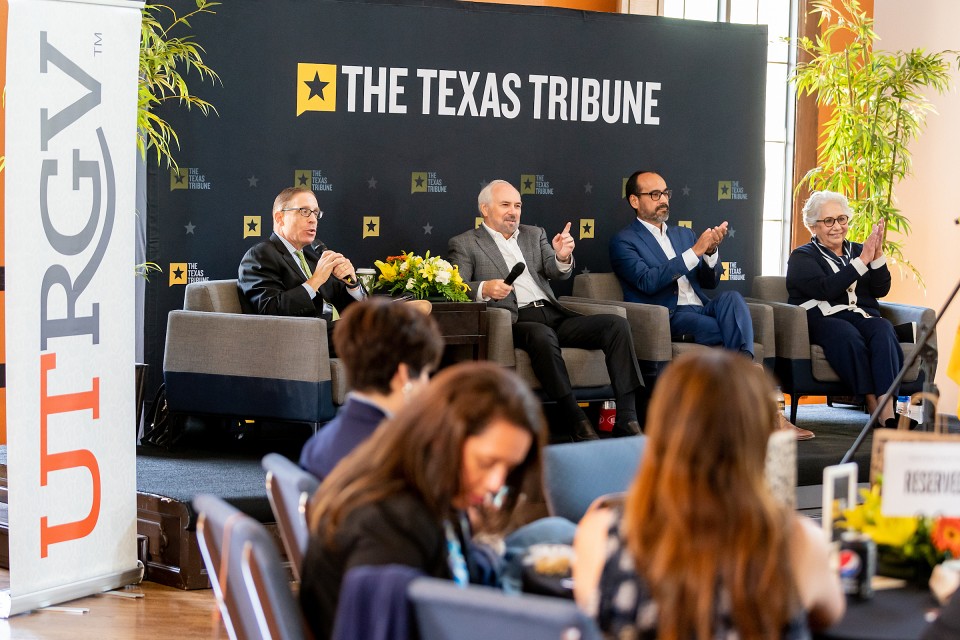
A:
[397,114]
[69,214]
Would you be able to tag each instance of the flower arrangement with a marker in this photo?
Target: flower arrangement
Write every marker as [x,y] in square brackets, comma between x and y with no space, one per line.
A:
[919,541]
[421,277]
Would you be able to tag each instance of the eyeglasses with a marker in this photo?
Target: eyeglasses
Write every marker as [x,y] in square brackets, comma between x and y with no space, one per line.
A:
[655,195]
[828,222]
[306,213]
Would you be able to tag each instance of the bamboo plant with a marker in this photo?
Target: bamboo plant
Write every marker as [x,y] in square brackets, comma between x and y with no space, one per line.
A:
[877,105]
[165,62]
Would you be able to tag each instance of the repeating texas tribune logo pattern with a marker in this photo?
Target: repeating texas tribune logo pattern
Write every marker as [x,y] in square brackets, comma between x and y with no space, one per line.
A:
[188,178]
[186,272]
[426,182]
[534,185]
[730,190]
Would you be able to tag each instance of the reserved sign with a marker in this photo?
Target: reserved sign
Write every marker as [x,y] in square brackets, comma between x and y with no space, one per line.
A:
[921,478]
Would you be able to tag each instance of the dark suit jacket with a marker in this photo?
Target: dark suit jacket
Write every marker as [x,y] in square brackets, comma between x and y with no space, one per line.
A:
[647,276]
[479,259]
[809,277]
[271,283]
[356,421]
[396,530]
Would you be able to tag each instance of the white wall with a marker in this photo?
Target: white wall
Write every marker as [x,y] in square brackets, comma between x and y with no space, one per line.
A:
[931,197]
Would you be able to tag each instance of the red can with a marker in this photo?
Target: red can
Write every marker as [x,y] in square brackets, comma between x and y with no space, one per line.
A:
[608,415]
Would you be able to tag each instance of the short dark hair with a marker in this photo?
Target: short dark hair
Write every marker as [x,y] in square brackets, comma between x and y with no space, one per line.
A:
[287,195]
[631,188]
[376,335]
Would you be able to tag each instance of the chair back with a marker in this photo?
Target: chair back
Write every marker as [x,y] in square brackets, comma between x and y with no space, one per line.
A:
[445,611]
[213,295]
[248,578]
[289,488]
[770,288]
[598,286]
[576,474]
[266,581]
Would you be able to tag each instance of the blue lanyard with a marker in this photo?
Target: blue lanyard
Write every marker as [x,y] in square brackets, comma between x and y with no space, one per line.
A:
[455,556]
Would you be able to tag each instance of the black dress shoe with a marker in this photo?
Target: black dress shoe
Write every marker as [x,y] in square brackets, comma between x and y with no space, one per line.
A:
[584,431]
[628,428]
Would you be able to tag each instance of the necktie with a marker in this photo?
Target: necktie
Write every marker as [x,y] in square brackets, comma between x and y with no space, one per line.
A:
[303,263]
[306,270]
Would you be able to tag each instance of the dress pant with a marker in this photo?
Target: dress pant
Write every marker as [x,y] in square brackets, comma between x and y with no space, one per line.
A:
[724,320]
[863,351]
[542,331]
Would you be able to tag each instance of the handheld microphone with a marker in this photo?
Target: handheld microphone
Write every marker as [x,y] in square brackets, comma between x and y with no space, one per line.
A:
[349,279]
[514,273]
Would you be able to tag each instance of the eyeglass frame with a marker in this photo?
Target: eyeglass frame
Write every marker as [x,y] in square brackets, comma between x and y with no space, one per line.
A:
[833,221]
[660,193]
[310,212]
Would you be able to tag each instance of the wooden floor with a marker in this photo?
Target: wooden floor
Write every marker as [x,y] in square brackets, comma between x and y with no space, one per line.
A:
[162,612]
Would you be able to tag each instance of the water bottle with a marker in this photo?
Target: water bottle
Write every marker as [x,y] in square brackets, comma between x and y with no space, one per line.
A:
[903,405]
[608,415]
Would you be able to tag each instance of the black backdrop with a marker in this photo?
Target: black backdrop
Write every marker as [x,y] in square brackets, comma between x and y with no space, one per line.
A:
[413,176]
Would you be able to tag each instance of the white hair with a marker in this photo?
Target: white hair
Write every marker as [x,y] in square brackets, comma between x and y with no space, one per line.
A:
[815,203]
[486,194]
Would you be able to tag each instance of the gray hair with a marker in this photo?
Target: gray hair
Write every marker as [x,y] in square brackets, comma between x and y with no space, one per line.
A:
[815,203]
[486,194]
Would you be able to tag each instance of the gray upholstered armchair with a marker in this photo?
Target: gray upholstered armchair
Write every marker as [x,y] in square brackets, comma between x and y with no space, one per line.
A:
[218,361]
[802,367]
[651,324]
[587,368]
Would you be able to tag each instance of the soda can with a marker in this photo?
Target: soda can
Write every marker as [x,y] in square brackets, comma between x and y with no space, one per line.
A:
[608,415]
[858,564]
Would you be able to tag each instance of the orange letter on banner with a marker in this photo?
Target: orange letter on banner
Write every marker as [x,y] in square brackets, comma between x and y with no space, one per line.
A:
[50,462]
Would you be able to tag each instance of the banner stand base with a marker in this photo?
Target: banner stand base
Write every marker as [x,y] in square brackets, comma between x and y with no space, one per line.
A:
[12,605]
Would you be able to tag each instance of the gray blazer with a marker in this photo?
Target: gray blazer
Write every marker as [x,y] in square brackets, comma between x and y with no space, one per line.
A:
[479,259]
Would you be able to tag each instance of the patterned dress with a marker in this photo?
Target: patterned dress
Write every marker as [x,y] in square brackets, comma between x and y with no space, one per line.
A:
[625,610]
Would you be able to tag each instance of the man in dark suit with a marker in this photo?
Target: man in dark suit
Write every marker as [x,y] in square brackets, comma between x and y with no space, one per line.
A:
[670,266]
[287,276]
[542,326]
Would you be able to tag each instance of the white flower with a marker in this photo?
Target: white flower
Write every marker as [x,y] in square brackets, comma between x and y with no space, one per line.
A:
[410,284]
[443,277]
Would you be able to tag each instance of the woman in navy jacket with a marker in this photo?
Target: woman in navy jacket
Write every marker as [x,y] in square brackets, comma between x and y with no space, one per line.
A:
[839,283]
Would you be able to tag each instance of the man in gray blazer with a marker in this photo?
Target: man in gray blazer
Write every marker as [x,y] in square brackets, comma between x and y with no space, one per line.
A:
[541,325]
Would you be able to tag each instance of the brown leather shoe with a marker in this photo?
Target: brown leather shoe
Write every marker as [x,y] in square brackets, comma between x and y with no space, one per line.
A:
[584,431]
[801,434]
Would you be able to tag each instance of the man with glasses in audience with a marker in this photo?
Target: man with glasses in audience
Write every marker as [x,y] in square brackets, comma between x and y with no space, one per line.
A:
[292,273]
[670,266]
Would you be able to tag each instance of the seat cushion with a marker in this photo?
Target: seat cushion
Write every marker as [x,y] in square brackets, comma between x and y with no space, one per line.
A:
[680,348]
[587,368]
[823,372]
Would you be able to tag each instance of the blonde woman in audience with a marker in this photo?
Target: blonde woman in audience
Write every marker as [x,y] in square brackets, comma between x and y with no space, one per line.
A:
[402,496]
[700,548]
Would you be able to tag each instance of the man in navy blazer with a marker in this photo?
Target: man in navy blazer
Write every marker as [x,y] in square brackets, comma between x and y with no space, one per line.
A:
[541,325]
[670,266]
[286,276]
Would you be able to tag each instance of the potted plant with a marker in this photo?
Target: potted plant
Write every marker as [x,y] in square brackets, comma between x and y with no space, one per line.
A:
[876,105]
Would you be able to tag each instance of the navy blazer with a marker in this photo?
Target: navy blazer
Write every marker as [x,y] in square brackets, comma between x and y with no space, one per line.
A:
[647,276]
[809,277]
[271,283]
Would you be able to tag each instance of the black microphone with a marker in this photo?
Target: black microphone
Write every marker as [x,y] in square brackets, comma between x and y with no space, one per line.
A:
[349,279]
[514,273]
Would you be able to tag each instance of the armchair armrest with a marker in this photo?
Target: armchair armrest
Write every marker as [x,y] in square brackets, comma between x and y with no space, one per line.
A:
[898,313]
[500,337]
[790,329]
[763,327]
[226,344]
[590,307]
[649,325]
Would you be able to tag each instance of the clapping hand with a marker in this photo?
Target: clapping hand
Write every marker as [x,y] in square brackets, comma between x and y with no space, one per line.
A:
[563,244]
[873,245]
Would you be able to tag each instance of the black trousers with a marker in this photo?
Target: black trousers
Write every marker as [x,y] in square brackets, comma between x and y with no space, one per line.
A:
[863,351]
[542,331]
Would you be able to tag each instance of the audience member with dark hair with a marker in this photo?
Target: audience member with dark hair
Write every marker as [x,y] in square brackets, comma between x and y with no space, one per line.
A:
[839,283]
[402,496]
[701,549]
[388,350]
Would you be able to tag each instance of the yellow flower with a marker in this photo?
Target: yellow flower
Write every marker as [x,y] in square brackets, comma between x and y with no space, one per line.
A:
[388,270]
[867,518]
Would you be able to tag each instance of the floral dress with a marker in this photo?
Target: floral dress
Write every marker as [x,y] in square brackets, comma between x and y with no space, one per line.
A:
[625,610]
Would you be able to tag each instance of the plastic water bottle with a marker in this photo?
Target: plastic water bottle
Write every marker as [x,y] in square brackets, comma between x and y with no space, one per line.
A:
[903,405]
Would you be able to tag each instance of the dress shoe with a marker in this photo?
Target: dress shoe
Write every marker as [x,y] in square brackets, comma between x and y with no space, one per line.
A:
[800,434]
[584,431]
[627,428]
